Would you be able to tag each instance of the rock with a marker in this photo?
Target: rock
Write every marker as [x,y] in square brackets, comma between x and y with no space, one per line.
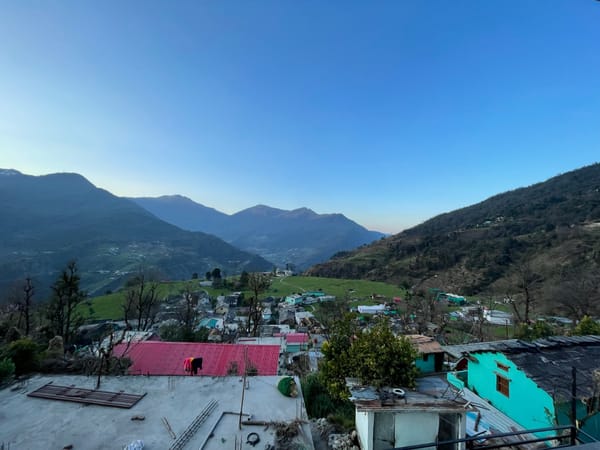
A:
[55,348]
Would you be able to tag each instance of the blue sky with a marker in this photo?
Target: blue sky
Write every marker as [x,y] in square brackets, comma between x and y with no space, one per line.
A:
[388,112]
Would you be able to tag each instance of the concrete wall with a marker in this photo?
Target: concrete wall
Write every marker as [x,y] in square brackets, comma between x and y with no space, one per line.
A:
[526,403]
[364,427]
[416,428]
[391,429]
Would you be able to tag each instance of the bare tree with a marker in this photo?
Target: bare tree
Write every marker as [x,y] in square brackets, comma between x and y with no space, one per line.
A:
[423,307]
[105,353]
[577,296]
[104,362]
[520,290]
[26,304]
[258,283]
[141,303]
[186,313]
[527,281]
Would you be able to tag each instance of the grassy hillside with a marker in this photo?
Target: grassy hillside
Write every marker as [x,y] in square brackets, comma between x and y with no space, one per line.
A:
[109,306]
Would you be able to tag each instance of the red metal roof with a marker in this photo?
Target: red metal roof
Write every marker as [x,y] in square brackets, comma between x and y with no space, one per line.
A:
[166,358]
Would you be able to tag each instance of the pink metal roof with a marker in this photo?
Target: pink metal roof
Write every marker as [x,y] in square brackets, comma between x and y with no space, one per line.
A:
[166,358]
[294,338]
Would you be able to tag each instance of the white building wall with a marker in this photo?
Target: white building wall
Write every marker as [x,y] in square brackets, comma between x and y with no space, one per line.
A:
[409,428]
[364,429]
[416,428]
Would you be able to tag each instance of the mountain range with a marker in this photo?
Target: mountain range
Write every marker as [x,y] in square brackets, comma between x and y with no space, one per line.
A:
[49,220]
[297,238]
[541,241]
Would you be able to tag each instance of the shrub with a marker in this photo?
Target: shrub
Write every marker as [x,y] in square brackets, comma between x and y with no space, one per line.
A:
[319,403]
[539,329]
[587,326]
[7,369]
[24,354]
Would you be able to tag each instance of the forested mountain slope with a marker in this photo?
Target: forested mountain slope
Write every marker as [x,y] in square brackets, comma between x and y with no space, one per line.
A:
[48,220]
[298,238]
[545,237]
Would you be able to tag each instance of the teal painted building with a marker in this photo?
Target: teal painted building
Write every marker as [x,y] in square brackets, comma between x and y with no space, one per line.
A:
[531,381]
[498,380]
[294,299]
[430,357]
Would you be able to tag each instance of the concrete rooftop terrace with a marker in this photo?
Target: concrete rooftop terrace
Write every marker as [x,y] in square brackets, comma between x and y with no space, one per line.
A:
[28,423]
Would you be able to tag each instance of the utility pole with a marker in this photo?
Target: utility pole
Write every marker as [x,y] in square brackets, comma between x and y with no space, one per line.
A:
[243,386]
[573,405]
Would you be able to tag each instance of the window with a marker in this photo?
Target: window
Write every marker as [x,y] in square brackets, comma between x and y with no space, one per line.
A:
[425,357]
[502,385]
[502,366]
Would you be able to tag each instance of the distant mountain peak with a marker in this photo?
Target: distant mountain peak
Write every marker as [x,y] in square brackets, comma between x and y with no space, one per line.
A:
[300,236]
[174,197]
[303,210]
[9,172]
[265,210]
[261,210]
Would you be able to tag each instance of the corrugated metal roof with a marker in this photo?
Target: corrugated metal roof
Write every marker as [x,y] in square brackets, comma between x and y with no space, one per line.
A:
[519,346]
[430,393]
[88,396]
[425,344]
[166,358]
[548,362]
[498,421]
[458,351]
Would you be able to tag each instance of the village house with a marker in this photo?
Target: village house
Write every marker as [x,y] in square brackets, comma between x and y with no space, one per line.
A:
[531,382]
[430,357]
[294,299]
[304,318]
[395,417]
[294,342]
[266,314]
[287,316]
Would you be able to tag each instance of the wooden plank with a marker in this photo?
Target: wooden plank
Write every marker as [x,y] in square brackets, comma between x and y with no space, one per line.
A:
[86,396]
